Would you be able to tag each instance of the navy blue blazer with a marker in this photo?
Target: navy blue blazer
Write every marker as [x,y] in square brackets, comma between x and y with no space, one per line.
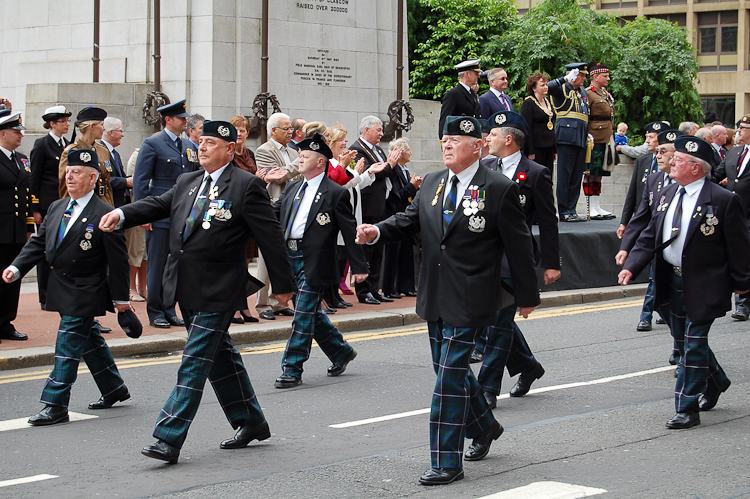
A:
[490,104]
[158,166]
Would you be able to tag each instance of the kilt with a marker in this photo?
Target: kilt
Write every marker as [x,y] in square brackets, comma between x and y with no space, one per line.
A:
[458,408]
[699,371]
[309,323]
[77,338]
[596,166]
[208,354]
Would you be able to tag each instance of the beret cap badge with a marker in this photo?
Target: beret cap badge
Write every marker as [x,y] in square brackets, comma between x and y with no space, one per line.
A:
[223,131]
[500,119]
[657,126]
[467,126]
[85,157]
[314,146]
[691,146]
[671,136]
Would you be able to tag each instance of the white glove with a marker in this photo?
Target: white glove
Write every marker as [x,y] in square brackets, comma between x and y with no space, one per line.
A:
[570,77]
[591,138]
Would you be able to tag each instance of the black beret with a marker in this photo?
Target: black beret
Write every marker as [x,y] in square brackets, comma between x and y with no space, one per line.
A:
[83,157]
[669,136]
[580,66]
[657,127]
[12,122]
[178,109]
[697,148]
[130,324]
[219,129]
[316,143]
[463,125]
[509,119]
[91,114]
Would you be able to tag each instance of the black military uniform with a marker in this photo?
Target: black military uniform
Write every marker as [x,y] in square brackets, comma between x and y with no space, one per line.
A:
[16,222]
[459,100]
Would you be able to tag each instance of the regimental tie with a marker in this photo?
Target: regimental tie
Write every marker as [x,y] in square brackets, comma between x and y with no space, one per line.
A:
[197,212]
[64,223]
[677,219]
[295,208]
[654,165]
[742,160]
[449,207]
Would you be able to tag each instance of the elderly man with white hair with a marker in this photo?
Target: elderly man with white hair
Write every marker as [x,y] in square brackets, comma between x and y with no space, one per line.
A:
[277,165]
[120,182]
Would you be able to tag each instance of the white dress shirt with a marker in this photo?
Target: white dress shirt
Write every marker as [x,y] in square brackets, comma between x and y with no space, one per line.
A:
[499,95]
[510,164]
[464,179]
[673,253]
[300,220]
[57,139]
[388,183]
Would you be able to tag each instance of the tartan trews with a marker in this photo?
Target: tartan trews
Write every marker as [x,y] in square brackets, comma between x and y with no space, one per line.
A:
[458,409]
[309,323]
[209,354]
[77,339]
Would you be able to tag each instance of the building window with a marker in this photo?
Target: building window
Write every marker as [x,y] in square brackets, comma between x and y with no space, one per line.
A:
[653,3]
[717,41]
[679,19]
[722,106]
[618,4]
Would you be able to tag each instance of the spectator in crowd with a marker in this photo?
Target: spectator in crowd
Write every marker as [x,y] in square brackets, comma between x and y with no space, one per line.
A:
[195,129]
[539,113]
[688,127]
[720,136]
[398,257]
[297,133]
[621,137]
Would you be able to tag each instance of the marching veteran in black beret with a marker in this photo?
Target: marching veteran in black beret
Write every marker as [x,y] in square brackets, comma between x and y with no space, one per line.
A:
[699,240]
[468,215]
[213,213]
[89,275]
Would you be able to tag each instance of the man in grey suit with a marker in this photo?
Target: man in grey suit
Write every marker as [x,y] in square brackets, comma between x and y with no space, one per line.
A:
[277,165]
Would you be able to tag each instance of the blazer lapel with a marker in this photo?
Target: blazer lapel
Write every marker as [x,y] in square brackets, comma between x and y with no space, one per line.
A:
[169,141]
[521,168]
[52,221]
[182,213]
[10,165]
[701,210]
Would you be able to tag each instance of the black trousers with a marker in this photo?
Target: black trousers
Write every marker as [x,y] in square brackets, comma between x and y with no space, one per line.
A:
[9,293]
[571,163]
[374,256]
[398,267]
[42,273]
[545,156]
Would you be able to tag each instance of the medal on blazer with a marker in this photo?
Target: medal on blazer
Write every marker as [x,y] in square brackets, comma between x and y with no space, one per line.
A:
[662,205]
[650,198]
[439,190]
[709,226]
[323,219]
[26,164]
[214,192]
[86,243]
[191,156]
[473,200]
[522,199]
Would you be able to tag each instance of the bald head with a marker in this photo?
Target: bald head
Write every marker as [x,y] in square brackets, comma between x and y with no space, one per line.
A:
[720,135]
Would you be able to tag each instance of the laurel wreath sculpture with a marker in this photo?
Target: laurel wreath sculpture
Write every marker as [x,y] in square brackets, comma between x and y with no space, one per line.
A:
[154,100]
[260,110]
[395,122]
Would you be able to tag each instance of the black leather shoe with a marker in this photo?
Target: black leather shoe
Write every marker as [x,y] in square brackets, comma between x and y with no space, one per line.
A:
[163,451]
[104,330]
[287,381]
[238,320]
[338,369]
[739,316]
[346,304]
[160,322]
[672,360]
[643,326]
[661,321]
[267,315]
[287,312]
[708,401]
[396,296]
[491,399]
[683,420]
[441,476]
[51,414]
[247,434]
[248,318]
[523,385]
[369,299]
[480,447]
[15,335]
[411,293]
[330,311]
[572,217]
[382,297]
[105,402]
[176,321]
[476,356]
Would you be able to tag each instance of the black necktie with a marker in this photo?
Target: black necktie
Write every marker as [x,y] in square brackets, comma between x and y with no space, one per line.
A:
[178,142]
[677,219]
[117,161]
[13,158]
[500,165]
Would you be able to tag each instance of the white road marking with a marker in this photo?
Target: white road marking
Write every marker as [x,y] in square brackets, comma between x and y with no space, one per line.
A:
[20,423]
[505,396]
[28,479]
[547,490]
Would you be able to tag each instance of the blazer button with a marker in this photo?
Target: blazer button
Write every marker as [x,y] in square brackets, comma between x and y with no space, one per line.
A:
[442,246]
[51,267]
[73,261]
[182,252]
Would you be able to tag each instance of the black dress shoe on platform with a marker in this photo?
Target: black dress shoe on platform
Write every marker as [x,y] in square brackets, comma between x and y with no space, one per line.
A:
[176,321]
[105,402]
[238,320]
[643,326]
[287,312]
[330,311]
[338,369]
[382,297]
[396,296]
[660,321]
[247,434]
[480,447]
[369,299]
[683,420]
[491,399]
[287,381]
[572,217]
[51,414]
[267,315]
[160,322]
[410,293]
[248,318]
[523,385]
[15,335]
[708,401]
[163,451]
[739,316]
[441,476]
[476,356]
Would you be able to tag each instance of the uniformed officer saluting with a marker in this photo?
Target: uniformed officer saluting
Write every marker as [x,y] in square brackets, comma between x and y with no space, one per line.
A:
[161,160]
[571,133]
[16,222]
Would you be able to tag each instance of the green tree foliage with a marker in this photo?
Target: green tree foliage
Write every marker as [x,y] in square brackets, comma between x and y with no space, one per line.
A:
[458,30]
[652,63]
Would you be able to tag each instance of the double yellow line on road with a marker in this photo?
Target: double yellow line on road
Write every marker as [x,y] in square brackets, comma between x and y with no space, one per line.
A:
[279,346]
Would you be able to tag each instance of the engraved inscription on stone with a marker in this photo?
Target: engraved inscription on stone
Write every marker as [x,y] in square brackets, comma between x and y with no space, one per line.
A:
[324,68]
[324,11]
